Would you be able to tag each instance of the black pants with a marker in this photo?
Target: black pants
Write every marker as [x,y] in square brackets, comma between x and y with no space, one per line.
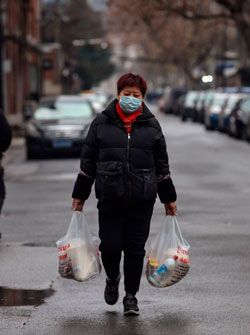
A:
[2,188]
[124,228]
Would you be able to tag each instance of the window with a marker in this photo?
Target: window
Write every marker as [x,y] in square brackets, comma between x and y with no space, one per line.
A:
[64,110]
[245,106]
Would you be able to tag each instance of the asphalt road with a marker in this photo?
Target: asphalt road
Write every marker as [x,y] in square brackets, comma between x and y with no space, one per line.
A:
[212,177]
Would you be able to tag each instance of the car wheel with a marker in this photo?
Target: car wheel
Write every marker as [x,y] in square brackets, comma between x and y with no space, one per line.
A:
[239,131]
[31,154]
[195,117]
[244,133]
[208,126]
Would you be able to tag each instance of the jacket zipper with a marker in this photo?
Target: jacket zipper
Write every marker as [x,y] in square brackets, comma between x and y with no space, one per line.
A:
[128,167]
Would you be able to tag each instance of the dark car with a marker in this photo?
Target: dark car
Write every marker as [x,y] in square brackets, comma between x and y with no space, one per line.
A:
[154,95]
[177,95]
[180,105]
[206,102]
[240,120]
[188,111]
[223,117]
[199,106]
[58,125]
[213,110]
[168,103]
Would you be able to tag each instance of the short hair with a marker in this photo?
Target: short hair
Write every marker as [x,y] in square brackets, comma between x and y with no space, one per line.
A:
[130,79]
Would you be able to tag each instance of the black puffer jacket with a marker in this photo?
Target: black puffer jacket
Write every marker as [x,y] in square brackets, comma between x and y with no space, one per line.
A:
[127,168]
[5,134]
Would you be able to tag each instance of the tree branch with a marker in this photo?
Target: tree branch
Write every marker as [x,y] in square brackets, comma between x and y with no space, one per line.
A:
[187,13]
[234,8]
[143,60]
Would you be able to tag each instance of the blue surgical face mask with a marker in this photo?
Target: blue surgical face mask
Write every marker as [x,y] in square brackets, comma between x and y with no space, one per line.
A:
[129,104]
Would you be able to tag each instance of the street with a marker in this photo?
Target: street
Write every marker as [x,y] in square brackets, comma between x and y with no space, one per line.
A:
[212,177]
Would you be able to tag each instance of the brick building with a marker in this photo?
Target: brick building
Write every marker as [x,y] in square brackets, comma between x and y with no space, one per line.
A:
[52,67]
[21,55]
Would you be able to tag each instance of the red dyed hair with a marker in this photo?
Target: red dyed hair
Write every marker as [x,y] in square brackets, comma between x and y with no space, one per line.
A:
[130,79]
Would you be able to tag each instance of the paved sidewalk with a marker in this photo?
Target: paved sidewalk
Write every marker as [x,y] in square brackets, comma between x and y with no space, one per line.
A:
[17,144]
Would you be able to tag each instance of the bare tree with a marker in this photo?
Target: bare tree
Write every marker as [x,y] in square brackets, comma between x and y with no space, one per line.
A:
[237,11]
[164,36]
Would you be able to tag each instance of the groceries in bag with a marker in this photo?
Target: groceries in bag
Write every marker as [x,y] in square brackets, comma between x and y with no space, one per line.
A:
[170,271]
[84,261]
[77,252]
[65,266]
[168,258]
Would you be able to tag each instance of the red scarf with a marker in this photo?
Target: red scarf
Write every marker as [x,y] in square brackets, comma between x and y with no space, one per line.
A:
[127,120]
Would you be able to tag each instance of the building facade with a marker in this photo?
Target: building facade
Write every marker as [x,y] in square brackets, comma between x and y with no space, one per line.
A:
[21,55]
[52,67]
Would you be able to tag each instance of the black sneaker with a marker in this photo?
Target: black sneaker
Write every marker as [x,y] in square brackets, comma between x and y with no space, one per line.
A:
[130,305]
[111,293]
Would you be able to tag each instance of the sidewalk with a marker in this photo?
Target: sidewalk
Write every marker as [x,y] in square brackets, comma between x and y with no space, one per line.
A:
[17,144]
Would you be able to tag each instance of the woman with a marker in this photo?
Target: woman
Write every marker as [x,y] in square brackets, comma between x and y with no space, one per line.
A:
[5,139]
[125,153]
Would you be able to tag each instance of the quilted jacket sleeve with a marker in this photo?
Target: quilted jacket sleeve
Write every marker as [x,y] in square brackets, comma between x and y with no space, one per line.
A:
[165,187]
[5,133]
[89,155]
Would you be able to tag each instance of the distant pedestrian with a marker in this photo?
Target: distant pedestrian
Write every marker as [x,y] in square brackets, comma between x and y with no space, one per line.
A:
[5,139]
[125,153]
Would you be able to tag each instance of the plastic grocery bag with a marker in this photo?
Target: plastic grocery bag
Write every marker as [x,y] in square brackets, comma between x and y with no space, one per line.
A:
[168,255]
[77,252]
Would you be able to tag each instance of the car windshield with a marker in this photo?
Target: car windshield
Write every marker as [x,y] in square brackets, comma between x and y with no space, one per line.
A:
[208,98]
[96,97]
[201,98]
[64,110]
[245,106]
[219,100]
[191,96]
[232,100]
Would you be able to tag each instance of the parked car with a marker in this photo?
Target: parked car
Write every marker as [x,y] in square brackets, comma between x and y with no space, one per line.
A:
[224,115]
[199,106]
[240,120]
[188,112]
[168,103]
[206,103]
[176,95]
[98,99]
[58,125]
[180,105]
[154,95]
[213,110]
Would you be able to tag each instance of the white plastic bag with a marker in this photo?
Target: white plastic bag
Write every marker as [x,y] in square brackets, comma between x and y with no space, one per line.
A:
[77,252]
[168,255]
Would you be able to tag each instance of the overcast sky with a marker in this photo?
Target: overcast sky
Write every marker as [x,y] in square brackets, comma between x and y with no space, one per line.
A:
[98,4]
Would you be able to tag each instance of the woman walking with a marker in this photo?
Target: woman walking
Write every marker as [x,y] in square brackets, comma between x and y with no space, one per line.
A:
[125,154]
[5,140]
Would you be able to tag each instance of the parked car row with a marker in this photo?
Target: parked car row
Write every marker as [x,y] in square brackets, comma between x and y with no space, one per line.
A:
[59,124]
[223,109]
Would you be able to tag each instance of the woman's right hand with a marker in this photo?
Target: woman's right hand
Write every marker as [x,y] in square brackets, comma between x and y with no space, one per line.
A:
[77,205]
[171,208]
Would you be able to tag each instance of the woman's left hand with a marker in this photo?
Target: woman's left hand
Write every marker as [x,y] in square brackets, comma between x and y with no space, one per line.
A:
[171,208]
